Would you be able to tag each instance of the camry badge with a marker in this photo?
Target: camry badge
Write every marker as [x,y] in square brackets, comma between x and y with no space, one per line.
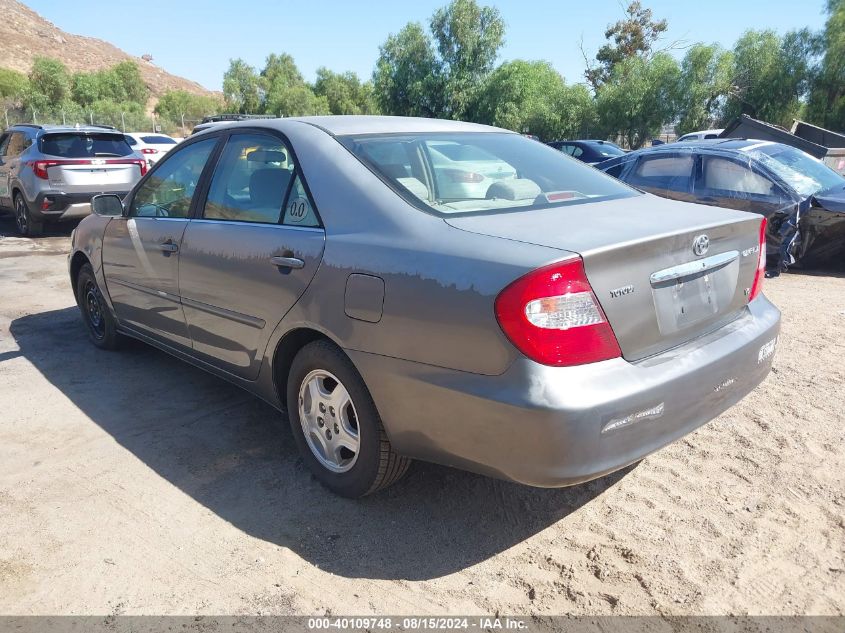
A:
[700,245]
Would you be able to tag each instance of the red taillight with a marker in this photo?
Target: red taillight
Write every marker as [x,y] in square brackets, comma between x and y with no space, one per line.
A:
[142,164]
[39,167]
[459,175]
[757,286]
[149,150]
[552,316]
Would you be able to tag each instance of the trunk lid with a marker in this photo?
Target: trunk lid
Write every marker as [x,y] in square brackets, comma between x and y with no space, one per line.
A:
[655,290]
[94,175]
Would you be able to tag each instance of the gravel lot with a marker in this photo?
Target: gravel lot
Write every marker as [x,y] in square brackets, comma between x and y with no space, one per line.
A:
[133,483]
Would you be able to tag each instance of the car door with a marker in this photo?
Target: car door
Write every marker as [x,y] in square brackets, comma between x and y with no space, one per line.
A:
[250,253]
[141,250]
[5,194]
[734,183]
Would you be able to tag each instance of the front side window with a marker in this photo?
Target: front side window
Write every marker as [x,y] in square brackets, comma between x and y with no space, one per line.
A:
[256,180]
[169,190]
[448,173]
[728,178]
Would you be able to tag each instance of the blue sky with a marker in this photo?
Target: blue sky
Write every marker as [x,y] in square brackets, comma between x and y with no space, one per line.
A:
[196,39]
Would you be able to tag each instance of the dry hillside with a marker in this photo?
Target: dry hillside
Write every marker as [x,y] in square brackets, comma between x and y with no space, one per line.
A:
[25,35]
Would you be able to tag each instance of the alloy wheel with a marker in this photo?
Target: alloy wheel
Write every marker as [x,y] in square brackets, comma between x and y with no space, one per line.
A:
[21,216]
[329,421]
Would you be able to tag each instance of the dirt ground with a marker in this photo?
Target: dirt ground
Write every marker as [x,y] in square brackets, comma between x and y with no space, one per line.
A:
[132,483]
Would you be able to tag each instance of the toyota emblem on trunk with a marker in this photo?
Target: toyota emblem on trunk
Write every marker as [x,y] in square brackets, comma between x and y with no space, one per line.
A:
[700,244]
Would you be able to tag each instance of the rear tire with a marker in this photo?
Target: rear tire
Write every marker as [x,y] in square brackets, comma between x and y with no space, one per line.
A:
[24,222]
[331,412]
[99,321]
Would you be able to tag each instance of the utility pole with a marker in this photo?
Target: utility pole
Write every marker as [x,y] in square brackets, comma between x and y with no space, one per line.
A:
[122,122]
[34,116]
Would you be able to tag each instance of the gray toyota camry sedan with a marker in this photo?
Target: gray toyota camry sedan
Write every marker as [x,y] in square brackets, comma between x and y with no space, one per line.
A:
[424,289]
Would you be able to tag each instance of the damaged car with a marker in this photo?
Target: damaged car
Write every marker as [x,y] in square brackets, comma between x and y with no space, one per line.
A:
[802,198]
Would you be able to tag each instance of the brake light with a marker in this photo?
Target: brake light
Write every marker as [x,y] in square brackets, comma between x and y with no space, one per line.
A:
[142,164]
[149,150]
[553,317]
[760,275]
[39,167]
[459,175]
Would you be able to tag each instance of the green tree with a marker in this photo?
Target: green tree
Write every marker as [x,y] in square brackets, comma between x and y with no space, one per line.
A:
[639,98]
[132,86]
[177,106]
[13,89]
[285,91]
[531,96]
[633,36]
[49,84]
[344,92]
[413,77]
[242,88]
[85,88]
[407,79]
[771,75]
[826,105]
[468,39]
[705,81]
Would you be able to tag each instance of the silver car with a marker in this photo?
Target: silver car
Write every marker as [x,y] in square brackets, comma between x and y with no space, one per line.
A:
[48,173]
[550,330]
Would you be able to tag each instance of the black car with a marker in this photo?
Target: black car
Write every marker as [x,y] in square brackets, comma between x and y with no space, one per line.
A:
[802,198]
[591,151]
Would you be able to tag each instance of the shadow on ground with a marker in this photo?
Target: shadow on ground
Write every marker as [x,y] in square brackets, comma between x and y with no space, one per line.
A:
[54,229]
[235,455]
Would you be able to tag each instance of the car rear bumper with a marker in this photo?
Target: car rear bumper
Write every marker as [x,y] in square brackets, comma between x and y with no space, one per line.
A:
[548,426]
[64,206]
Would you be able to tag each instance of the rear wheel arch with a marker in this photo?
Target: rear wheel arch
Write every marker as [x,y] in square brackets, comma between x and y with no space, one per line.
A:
[286,350]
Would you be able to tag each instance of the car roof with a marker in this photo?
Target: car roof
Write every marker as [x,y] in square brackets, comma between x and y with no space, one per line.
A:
[342,125]
[67,128]
[710,143]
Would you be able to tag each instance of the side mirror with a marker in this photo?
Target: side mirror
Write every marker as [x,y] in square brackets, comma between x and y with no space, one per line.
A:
[107,204]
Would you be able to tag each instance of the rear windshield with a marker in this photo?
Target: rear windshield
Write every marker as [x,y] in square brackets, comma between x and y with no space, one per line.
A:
[82,145]
[607,149]
[158,140]
[481,171]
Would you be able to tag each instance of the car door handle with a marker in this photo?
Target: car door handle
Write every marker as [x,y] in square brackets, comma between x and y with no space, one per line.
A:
[287,262]
[169,247]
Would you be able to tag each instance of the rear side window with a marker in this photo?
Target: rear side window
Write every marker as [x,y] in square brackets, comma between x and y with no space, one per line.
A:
[664,172]
[76,145]
[16,145]
[158,140]
[254,181]
[130,140]
[490,171]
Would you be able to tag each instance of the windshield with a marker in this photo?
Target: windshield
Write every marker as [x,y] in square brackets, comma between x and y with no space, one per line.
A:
[801,171]
[158,140]
[481,171]
[76,145]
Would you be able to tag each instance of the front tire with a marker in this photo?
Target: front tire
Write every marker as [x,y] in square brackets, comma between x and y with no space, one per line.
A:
[24,222]
[99,321]
[336,425]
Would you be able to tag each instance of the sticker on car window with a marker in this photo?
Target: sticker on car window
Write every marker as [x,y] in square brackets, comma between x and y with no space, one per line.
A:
[298,209]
